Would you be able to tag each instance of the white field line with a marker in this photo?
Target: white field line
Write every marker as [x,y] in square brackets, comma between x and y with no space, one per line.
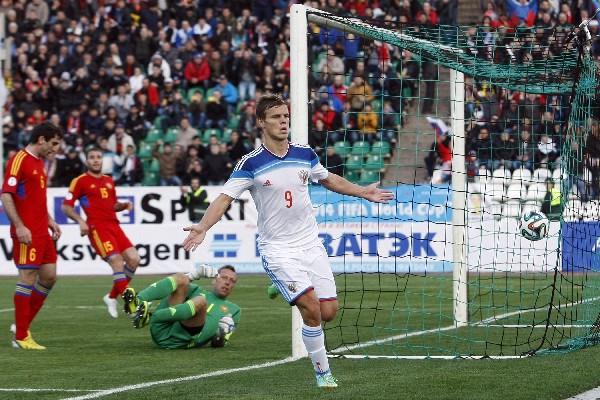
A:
[3,310]
[535,326]
[592,394]
[28,390]
[222,372]
[450,327]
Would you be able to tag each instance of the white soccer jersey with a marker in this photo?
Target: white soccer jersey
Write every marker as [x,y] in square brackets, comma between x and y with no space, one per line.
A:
[279,188]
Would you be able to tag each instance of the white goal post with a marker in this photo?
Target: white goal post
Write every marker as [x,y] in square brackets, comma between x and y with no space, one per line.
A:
[299,100]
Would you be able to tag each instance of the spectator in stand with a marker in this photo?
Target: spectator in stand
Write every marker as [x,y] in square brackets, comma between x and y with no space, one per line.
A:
[483,147]
[439,155]
[122,102]
[333,162]
[217,166]
[504,151]
[367,123]
[236,147]
[216,111]
[197,71]
[525,152]
[359,94]
[132,171]
[246,76]
[247,123]
[547,154]
[167,160]
[329,117]
[68,168]
[228,91]
[118,141]
[186,133]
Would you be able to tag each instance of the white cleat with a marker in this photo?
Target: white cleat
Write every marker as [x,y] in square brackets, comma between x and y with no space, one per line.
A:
[13,329]
[111,305]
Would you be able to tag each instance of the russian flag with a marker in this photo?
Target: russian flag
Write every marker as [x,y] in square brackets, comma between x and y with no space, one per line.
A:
[524,10]
[439,126]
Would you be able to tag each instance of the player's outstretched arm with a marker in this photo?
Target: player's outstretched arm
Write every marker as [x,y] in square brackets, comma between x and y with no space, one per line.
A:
[341,185]
[213,214]
[23,233]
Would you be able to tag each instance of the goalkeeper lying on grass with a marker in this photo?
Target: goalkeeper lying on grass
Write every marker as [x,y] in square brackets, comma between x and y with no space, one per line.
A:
[187,315]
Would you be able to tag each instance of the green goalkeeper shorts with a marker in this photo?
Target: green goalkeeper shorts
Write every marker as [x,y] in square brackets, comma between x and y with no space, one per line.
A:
[173,335]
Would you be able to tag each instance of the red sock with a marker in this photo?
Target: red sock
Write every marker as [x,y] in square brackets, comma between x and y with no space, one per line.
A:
[38,296]
[119,287]
[22,299]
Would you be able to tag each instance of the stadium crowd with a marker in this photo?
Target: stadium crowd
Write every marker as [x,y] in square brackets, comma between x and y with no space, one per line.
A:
[508,129]
[167,88]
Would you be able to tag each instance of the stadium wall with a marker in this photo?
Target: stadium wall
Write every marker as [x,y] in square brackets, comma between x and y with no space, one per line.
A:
[410,235]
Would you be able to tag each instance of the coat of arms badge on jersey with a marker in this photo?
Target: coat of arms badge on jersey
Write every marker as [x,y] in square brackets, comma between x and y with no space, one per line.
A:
[303,175]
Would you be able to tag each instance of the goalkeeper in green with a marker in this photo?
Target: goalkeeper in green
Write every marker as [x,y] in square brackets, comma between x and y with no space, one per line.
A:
[187,315]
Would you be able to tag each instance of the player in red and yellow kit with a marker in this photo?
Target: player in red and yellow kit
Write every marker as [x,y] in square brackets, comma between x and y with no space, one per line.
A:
[34,251]
[97,195]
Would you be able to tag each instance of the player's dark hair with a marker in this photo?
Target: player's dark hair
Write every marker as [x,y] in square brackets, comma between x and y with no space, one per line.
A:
[91,149]
[267,102]
[229,267]
[47,130]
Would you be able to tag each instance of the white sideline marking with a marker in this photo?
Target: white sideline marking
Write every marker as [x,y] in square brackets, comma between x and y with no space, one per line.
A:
[450,327]
[45,390]
[7,310]
[222,372]
[593,394]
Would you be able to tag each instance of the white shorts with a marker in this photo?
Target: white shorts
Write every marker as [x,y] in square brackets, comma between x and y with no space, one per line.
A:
[295,273]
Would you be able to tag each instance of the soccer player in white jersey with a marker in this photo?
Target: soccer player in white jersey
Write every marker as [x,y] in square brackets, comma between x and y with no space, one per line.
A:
[277,174]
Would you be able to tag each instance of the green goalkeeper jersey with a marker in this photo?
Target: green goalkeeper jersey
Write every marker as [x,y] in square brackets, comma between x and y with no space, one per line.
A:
[174,335]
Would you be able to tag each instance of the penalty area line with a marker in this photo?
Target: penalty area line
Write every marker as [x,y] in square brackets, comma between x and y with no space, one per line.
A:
[108,392]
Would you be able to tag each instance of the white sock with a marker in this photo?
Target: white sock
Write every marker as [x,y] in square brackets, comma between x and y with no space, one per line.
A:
[314,340]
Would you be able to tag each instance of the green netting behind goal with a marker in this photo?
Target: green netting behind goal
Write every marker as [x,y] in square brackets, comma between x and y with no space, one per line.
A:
[383,107]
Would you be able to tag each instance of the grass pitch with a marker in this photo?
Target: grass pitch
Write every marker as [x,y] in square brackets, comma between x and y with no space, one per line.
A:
[90,354]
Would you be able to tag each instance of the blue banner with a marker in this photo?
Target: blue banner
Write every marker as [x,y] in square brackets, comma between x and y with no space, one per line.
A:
[581,246]
[412,203]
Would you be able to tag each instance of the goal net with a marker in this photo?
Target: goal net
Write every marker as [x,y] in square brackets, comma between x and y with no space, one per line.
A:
[471,127]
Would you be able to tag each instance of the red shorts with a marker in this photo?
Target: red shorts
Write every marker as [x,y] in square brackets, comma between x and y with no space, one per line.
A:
[109,240]
[40,251]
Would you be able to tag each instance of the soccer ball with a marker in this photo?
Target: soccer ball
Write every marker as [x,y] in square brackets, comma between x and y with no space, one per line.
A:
[226,324]
[534,225]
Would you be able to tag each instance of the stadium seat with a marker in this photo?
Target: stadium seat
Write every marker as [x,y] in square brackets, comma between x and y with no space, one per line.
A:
[536,192]
[495,191]
[208,133]
[226,135]
[501,175]
[154,166]
[573,210]
[377,105]
[158,122]
[150,179]
[193,90]
[352,175]
[556,174]
[342,148]
[374,162]
[521,176]
[382,148]
[361,148]
[493,208]
[145,150]
[516,191]
[541,175]
[354,162]
[512,209]
[233,122]
[153,135]
[171,135]
[483,175]
[369,176]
